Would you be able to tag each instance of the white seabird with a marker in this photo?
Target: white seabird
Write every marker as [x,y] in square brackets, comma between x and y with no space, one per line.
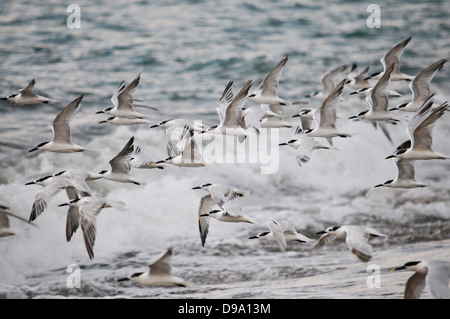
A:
[405,175]
[326,115]
[304,145]
[222,193]
[27,95]
[281,234]
[266,92]
[420,87]
[356,238]
[378,102]
[393,57]
[434,273]
[328,82]
[120,166]
[419,130]
[73,181]
[123,102]
[159,274]
[89,208]
[61,131]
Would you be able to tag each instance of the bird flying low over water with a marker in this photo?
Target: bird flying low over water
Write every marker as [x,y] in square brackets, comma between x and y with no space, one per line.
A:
[89,208]
[27,95]
[158,275]
[355,236]
[419,130]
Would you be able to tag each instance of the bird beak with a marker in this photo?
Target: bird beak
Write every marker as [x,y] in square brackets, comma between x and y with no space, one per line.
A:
[252,237]
[30,183]
[379,185]
[390,156]
[196,187]
[203,215]
[398,268]
[296,115]
[352,93]
[102,122]
[153,126]
[282,144]
[34,149]
[65,204]
[352,117]
[99,112]
[319,233]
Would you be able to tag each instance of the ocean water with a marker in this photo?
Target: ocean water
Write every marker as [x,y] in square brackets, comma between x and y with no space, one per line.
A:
[187,52]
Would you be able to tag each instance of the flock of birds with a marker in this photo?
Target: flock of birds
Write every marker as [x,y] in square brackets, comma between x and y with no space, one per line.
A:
[237,120]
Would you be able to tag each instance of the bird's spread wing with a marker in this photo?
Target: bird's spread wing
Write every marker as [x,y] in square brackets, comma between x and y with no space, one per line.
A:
[422,124]
[233,114]
[359,245]
[378,95]
[277,232]
[224,101]
[121,162]
[125,97]
[89,213]
[327,110]
[405,169]
[162,265]
[420,85]
[29,89]
[206,205]
[329,77]
[61,123]
[438,279]
[393,55]
[114,98]
[415,286]
[271,80]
